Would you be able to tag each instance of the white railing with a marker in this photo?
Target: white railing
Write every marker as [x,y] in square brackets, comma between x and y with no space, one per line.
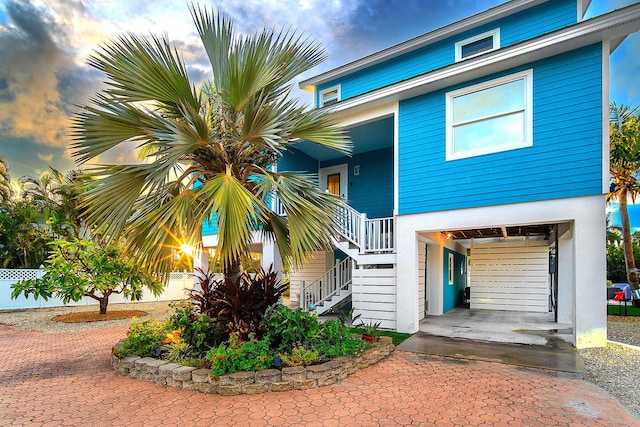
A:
[378,235]
[328,285]
[176,288]
[351,224]
[369,235]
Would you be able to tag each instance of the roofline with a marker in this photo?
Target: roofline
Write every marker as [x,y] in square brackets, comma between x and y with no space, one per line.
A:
[441,33]
[614,26]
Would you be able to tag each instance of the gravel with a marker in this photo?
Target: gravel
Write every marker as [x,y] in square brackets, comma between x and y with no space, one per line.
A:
[615,368]
[39,319]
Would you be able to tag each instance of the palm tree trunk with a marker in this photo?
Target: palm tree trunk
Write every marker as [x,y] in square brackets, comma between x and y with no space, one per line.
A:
[234,270]
[632,275]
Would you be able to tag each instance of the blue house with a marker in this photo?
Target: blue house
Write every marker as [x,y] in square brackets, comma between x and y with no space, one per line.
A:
[480,161]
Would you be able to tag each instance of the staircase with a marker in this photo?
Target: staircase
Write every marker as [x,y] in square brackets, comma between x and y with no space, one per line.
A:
[329,290]
[365,241]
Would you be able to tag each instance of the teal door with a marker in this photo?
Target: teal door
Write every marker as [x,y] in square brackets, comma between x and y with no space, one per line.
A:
[454,279]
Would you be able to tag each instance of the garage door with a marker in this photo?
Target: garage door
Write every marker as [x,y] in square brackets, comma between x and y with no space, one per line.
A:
[510,275]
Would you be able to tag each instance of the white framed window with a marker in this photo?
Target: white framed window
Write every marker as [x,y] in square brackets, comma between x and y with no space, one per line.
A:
[330,95]
[477,45]
[490,117]
[451,267]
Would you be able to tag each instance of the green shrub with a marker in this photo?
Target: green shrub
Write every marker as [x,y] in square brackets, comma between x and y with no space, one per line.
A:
[300,356]
[239,305]
[143,338]
[238,356]
[199,331]
[335,339]
[285,329]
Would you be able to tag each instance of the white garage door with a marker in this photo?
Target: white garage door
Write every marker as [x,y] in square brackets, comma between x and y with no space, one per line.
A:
[510,275]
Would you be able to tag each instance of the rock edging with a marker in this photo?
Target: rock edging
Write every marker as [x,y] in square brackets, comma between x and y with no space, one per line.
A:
[267,380]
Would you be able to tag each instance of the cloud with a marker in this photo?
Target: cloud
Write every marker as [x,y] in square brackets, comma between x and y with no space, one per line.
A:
[35,67]
[45,157]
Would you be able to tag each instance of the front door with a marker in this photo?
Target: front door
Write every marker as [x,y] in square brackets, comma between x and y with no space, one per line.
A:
[334,180]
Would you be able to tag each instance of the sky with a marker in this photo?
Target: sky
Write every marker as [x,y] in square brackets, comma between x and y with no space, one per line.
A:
[44,46]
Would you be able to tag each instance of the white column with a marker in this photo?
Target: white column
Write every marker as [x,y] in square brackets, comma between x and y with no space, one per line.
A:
[566,277]
[271,255]
[589,245]
[407,279]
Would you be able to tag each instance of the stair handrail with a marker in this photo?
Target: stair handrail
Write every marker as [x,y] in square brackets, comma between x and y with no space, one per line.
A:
[375,235]
[328,285]
[351,224]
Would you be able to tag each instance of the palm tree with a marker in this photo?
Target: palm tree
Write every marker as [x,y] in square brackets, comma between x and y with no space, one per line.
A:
[208,151]
[5,181]
[624,164]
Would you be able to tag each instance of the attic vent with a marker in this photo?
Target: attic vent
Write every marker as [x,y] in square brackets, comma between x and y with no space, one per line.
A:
[478,45]
[329,96]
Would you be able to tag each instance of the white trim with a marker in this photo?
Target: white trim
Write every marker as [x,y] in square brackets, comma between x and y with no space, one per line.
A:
[343,170]
[323,92]
[396,154]
[605,116]
[500,11]
[583,5]
[450,268]
[527,76]
[606,27]
[494,34]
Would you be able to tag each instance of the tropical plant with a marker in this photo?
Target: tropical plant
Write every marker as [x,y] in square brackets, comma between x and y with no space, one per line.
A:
[199,331]
[300,356]
[143,338]
[286,329]
[5,181]
[239,355]
[624,163]
[23,237]
[208,151]
[336,339]
[239,305]
[369,329]
[82,268]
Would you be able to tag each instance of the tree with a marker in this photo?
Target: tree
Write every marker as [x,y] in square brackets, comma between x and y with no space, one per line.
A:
[624,165]
[208,151]
[82,268]
[5,181]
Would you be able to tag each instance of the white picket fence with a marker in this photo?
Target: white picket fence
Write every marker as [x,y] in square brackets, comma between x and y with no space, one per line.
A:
[176,288]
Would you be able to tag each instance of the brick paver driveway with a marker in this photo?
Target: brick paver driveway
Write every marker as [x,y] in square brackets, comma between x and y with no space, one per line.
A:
[66,380]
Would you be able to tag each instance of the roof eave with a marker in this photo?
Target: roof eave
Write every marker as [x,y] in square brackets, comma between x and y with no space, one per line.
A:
[442,33]
[613,26]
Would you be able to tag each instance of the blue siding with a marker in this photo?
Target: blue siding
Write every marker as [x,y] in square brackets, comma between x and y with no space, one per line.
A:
[567,95]
[296,160]
[525,25]
[372,191]
[453,294]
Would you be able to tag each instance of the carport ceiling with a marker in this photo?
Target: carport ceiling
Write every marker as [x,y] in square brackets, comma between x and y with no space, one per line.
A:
[512,231]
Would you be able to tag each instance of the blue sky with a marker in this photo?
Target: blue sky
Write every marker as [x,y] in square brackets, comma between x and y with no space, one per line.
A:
[44,45]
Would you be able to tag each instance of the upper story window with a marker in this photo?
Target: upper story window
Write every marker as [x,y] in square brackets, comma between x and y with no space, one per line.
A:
[478,45]
[329,96]
[490,117]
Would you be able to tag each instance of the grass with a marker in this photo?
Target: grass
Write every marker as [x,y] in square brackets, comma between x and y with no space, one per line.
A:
[631,311]
[397,337]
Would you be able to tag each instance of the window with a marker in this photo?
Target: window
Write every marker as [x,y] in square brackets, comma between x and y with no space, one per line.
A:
[490,117]
[329,96]
[478,45]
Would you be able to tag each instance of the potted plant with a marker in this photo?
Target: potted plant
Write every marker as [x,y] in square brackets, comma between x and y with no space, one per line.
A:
[369,331]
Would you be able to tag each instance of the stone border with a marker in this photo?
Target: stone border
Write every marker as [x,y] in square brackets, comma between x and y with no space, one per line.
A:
[293,378]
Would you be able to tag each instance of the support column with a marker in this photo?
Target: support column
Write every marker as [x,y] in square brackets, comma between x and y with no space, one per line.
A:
[407,277]
[589,246]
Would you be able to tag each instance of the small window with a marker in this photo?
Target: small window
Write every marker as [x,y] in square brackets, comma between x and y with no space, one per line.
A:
[478,45]
[329,96]
[490,117]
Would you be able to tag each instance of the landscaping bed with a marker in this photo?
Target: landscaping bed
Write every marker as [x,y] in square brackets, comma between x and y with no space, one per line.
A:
[252,382]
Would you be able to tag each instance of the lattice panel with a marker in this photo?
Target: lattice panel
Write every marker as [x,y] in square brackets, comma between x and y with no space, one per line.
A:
[19,275]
